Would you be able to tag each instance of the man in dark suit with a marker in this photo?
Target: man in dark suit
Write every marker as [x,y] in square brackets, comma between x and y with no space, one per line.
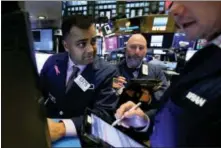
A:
[77,79]
[134,67]
[190,115]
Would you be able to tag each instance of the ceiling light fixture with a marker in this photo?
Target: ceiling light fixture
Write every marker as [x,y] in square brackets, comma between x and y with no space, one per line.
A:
[41,17]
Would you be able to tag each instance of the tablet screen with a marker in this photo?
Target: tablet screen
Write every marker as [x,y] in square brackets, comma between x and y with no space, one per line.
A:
[111,135]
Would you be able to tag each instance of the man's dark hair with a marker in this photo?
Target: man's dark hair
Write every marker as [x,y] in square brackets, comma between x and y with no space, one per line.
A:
[80,21]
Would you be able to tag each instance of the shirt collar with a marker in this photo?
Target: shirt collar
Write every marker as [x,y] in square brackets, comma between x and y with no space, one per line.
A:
[71,64]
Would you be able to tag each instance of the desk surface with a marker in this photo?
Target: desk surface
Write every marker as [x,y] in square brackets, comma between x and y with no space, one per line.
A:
[66,141]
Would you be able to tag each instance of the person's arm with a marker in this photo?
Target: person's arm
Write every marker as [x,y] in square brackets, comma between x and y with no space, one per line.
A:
[159,74]
[105,100]
[156,98]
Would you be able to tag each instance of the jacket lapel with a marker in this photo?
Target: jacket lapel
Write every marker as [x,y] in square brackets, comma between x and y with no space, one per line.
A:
[62,63]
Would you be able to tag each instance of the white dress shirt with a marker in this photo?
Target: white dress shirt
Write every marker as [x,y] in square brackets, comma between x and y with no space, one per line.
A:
[69,125]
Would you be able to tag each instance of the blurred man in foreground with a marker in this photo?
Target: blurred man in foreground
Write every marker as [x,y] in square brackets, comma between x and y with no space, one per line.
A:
[190,114]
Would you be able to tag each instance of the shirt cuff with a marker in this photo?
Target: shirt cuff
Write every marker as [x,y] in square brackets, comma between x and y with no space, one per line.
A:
[70,129]
[146,127]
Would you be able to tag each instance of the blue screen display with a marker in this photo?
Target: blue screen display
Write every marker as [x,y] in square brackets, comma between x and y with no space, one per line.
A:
[43,39]
[180,41]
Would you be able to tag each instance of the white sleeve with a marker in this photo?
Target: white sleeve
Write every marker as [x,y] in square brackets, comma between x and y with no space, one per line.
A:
[69,127]
[146,127]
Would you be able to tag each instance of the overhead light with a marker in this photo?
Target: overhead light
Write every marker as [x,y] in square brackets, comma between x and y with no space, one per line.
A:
[41,17]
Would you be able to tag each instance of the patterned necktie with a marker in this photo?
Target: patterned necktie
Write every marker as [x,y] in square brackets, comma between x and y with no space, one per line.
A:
[72,77]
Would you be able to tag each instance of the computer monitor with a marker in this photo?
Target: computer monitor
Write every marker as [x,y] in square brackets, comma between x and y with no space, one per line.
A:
[180,41]
[159,23]
[24,122]
[189,54]
[111,43]
[41,58]
[159,52]
[126,38]
[107,29]
[201,43]
[114,56]
[156,41]
[99,43]
[98,29]
[43,39]
[130,25]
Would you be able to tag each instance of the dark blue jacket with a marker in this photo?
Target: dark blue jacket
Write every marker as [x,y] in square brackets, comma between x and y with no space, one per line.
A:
[191,113]
[73,103]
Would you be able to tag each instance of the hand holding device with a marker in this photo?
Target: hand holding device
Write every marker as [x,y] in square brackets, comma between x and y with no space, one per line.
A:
[130,115]
[99,133]
[119,82]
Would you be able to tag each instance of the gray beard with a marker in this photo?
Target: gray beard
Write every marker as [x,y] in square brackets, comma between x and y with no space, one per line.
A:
[133,62]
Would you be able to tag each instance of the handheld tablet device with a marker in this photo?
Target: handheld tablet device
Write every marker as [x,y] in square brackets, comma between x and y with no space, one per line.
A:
[150,84]
[139,90]
[103,134]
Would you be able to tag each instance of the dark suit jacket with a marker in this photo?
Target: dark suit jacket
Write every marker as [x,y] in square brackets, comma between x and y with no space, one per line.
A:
[191,114]
[154,72]
[73,103]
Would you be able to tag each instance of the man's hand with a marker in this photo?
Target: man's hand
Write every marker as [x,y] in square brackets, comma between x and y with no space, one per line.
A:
[119,82]
[135,118]
[56,129]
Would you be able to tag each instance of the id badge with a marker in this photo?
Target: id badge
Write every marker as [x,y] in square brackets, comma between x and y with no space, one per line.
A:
[145,69]
[82,83]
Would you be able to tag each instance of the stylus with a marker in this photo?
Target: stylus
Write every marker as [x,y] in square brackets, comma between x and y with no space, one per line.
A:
[120,119]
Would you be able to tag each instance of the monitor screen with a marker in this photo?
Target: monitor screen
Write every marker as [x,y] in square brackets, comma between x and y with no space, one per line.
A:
[159,52]
[107,29]
[159,23]
[111,43]
[126,38]
[98,29]
[201,43]
[120,41]
[43,39]
[114,56]
[99,43]
[180,41]
[111,135]
[189,54]
[41,59]
[131,25]
[156,41]
[166,38]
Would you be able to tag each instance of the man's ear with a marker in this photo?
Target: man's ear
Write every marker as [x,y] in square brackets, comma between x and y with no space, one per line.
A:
[65,45]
